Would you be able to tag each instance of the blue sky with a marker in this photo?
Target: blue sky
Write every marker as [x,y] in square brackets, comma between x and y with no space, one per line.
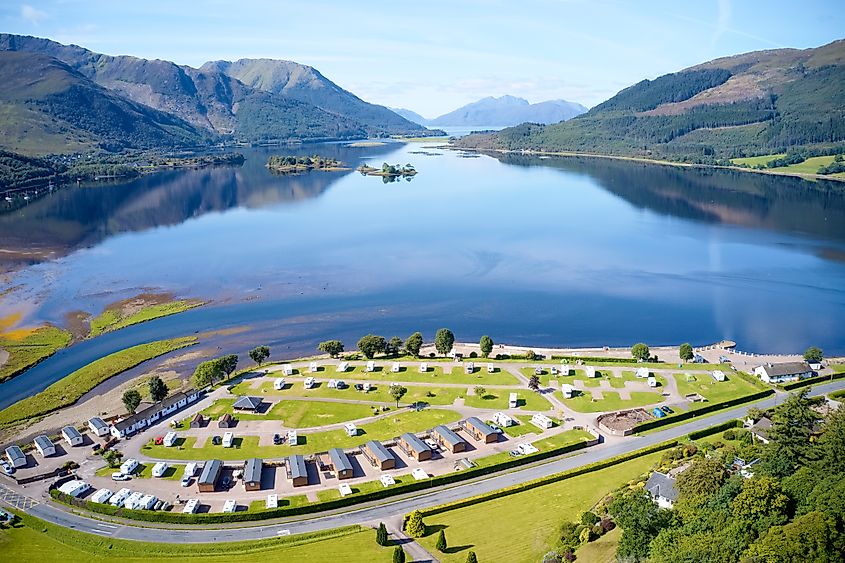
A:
[434,56]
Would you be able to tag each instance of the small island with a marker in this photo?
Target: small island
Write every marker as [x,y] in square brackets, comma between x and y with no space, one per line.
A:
[388,171]
[298,164]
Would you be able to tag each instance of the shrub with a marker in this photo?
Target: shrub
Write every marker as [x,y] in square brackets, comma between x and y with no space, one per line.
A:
[552,557]
[473,354]
[589,518]
[729,434]
[471,558]
[415,525]
[441,542]
[398,555]
[381,534]
[607,524]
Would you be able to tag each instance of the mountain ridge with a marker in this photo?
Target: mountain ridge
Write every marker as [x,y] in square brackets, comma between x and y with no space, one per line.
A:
[502,111]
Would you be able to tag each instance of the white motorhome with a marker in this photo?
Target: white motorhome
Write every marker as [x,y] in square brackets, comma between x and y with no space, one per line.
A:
[502,419]
[541,421]
[371,366]
[293,439]
[169,439]
[129,466]
[159,469]
[513,401]
[309,382]
[119,498]
[342,367]
[423,367]
[191,506]
[230,506]
[312,367]
[287,369]
[228,439]
[279,383]
[351,429]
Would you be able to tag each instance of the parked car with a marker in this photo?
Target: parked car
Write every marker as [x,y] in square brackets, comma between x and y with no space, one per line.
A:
[216,440]
[227,482]
[666,409]
[277,439]
[118,476]
[341,384]
[515,453]
[159,440]
[186,481]
[359,387]
[7,469]
[495,428]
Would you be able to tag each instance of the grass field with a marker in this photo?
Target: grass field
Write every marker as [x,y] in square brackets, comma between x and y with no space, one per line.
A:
[111,319]
[712,390]
[145,471]
[524,427]
[522,527]
[410,374]
[69,389]
[499,399]
[809,166]
[602,550]
[558,440]
[360,488]
[291,501]
[27,348]
[611,402]
[753,161]
[37,540]
[379,393]
[297,414]
[247,446]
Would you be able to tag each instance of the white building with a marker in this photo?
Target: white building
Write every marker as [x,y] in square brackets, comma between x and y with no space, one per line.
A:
[279,383]
[44,446]
[98,426]
[718,375]
[502,419]
[567,390]
[153,413]
[783,373]
[16,456]
[72,436]
[541,421]
[662,489]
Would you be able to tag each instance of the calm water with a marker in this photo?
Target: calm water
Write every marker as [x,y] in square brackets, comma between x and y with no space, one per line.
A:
[530,250]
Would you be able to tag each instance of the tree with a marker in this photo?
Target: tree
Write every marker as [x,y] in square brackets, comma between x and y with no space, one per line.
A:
[207,373]
[685,352]
[415,525]
[381,534]
[530,355]
[397,392]
[534,383]
[486,345]
[641,520]
[792,425]
[393,346]
[331,347]
[131,399]
[760,504]
[813,354]
[811,537]
[589,518]
[703,478]
[443,341]
[832,443]
[480,391]
[370,345]
[398,554]
[640,352]
[259,354]
[441,541]
[228,364]
[414,343]
[471,558]
[158,390]
[113,457]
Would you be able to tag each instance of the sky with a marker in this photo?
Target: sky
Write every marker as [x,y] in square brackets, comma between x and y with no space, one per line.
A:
[435,56]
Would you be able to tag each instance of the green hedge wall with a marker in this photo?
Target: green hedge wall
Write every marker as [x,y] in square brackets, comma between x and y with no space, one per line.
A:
[698,434]
[812,381]
[658,422]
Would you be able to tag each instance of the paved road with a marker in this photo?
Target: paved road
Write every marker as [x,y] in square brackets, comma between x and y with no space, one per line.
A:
[392,510]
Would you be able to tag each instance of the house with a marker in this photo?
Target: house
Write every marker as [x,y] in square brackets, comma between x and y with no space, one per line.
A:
[396,367]
[351,429]
[98,426]
[815,366]
[480,430]
[247,403]
[784,372]
[152,413]
[502,419]
[252,474]
[567,390]
[513,401]
[287,369]
[44,446]
[542,421]
[652,381]
[378,455]
[72,436]
[718,375]
[169,439]
[226,421]
[760,430]
[469,368]
[297,471]
[210,475]
[340,463]
[642,373]
[448,439]
[662,489]
[413,447]
[16,456]
[278,383]
[371,366]
[197,421]
[423,367]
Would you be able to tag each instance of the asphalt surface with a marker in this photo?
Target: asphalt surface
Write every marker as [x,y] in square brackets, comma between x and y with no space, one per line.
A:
[392,510]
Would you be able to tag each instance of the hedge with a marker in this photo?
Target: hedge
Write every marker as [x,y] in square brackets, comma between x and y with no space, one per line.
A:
[588,359]
[698,434]
[281,512]
[812,381]
[658,422]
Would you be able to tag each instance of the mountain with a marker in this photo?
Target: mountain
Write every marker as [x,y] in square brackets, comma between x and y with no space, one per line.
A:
[410,115]
[509,110]
[48,107]
[304,83]
[755,103]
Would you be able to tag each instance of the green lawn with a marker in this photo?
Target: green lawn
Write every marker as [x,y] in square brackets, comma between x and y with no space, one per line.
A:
[524,427]
[145,471]
[500,399]
[753,161]
[522,527]
[410,374]
[297,414]
[563,439]
[37,540]
[360,488]
[247,446]
[809,166]
[31,348]
[291,501]
[111,319]
[379,393]
[611,402]
[69,389]
[712,390]
[602,550]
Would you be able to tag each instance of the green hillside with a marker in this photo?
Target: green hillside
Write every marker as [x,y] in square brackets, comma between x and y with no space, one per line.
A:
[757,103]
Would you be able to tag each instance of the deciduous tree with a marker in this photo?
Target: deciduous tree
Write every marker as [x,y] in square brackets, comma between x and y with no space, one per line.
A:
[486,345]
[640,352]
[158,390]
[685,352]
[131,399]
[331,347]
[443,341]
[415,525]
[228,364]
[259,354]
[534,383]
[397,392]
[371,344]
[414,343]
[393,346]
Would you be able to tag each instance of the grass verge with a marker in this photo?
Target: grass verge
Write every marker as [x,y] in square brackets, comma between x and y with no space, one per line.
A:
[111,319]
[30,349]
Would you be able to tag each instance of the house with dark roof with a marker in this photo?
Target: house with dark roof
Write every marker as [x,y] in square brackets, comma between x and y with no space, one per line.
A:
[211,471]
[479,430]
[197,421]
[247,403]
[98,426]
[662,489]
[152,413]
[413,447]
[783,372]
[297,471]
[340,464]
[448,439]
[378,455]
[760,430]
[252,474]
[44,446]
[16,456]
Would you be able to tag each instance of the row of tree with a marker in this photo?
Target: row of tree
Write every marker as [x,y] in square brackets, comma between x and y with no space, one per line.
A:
[372,345]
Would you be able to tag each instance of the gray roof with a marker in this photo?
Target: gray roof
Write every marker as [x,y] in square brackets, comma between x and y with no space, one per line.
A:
[98,423]
[165,403]
[415,443]
[14,452]
[247,402]
[378,450]
[448,435]
[210,472]
[661,485]
[786,368]
[296,466]
[252,470]
[762,427]
[340,460]
[71,432]
[482,427]
[44,442]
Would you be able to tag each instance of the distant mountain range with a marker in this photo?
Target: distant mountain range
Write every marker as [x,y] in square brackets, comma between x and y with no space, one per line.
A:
[756,103]
[64,98]
[503,111]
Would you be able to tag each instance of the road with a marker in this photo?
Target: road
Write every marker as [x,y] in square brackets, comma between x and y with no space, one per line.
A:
[401,505]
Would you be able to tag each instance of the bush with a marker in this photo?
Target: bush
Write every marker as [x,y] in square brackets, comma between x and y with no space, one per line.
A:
[607,525]
[381,534]
[415,525]
[398,555]
[441,542]
[552,557]
[473,354]
[588,518]
[729,434]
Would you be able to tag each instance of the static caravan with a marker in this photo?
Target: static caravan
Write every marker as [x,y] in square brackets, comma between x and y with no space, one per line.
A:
[16,456]
[719,375]
[129,466]
[74,488]
[642,373]
[480,430]
[210,475]
[491,368]
[448,439]
[513,401]
[652,381]
[102,496]
[423,367]
[297,471]
[502,419]
[414,447]
[146,502]
[371,366]
[395,367]
[567,390]
[309,382]
[293,438]
[191,506]
[378,455]
[169,439]
[98,426]
[342,367]
[190,469]
[312,367]
[287,369]
[132,500]
[590,371]
[272,501]
[119,498]
[279,383]
[469,368]
[542,421]
[44,446]
[252,474]
[340,463]
[160,468]
[228,439]
[351,429]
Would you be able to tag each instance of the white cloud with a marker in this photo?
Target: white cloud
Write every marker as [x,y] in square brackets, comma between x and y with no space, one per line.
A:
[32,15]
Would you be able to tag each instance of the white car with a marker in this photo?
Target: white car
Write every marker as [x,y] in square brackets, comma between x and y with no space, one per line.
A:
[186,481]
[7,469]
[120,476]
